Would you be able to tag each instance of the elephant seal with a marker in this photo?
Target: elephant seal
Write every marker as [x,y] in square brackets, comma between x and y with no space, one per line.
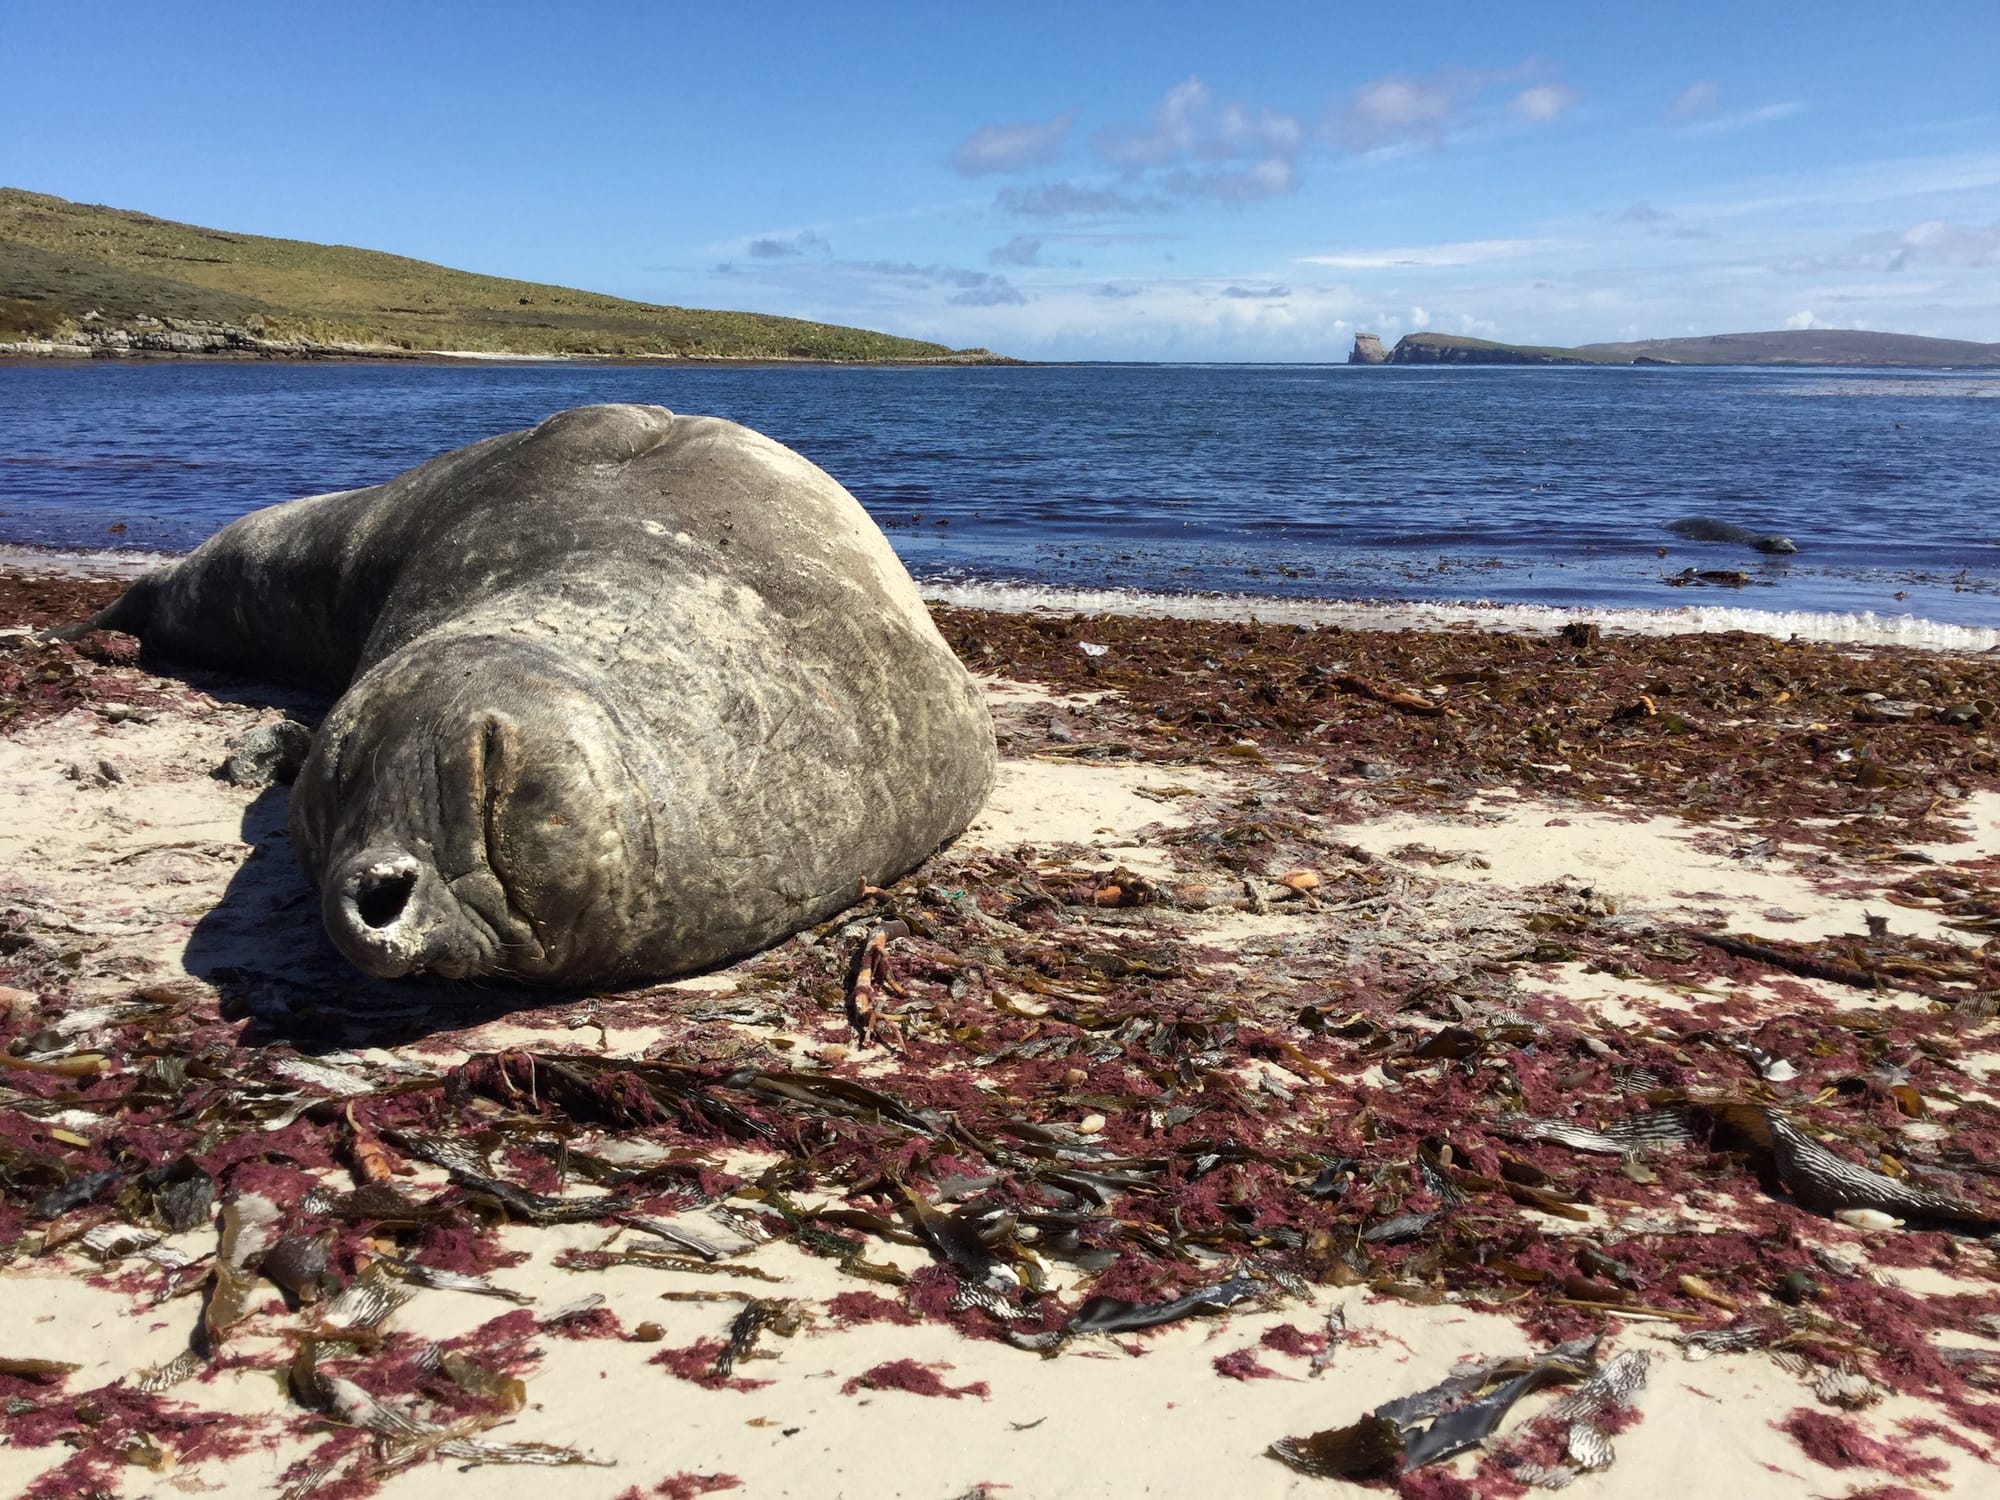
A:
[625,694]
[1702,529]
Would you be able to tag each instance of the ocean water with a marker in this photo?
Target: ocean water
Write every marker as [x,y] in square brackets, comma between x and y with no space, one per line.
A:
[1299,491]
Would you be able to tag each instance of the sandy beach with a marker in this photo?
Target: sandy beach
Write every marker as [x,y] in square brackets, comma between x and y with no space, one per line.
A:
[1313,1016]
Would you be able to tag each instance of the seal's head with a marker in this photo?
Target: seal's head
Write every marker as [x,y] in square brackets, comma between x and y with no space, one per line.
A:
[467,810]
[1775,543]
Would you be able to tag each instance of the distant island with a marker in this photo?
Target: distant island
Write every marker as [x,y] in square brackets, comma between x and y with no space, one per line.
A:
[82,280]
[1809,346]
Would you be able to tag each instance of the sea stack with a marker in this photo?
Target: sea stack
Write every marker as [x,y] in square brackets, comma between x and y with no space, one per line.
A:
[1367,350]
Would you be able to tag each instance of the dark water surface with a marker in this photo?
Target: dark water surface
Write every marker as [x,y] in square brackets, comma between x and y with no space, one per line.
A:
[1526,486]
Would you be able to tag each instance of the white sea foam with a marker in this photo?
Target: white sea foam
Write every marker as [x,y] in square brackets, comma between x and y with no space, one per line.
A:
[1863,629]
[54,562]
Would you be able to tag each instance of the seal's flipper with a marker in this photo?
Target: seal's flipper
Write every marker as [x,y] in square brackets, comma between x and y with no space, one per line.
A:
[129,612]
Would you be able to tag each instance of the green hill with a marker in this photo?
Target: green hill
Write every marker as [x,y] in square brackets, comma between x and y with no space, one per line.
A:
[108,280]
[1780,347]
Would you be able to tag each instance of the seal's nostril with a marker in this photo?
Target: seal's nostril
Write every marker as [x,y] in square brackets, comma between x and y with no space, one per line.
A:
[379,897]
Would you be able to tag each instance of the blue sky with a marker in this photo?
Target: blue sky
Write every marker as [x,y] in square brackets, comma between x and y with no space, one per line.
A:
[1116,181]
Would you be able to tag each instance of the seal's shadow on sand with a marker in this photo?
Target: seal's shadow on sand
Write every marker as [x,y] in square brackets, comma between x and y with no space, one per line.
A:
[263,948]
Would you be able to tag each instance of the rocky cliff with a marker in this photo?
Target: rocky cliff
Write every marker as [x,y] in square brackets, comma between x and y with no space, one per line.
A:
[1449,349]
[95,337]
[1367,350]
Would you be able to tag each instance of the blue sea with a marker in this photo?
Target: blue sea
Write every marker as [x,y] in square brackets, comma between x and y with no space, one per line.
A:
[1284,490]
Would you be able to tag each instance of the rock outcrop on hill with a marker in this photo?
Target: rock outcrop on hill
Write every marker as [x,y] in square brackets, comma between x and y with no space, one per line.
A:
[99,338]
[1367,350]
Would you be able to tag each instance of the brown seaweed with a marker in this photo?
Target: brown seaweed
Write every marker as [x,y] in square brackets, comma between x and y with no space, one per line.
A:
[1436,1423]
[1115,1315]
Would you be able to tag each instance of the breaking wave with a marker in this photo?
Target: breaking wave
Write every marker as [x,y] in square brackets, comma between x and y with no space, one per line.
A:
[1860,629]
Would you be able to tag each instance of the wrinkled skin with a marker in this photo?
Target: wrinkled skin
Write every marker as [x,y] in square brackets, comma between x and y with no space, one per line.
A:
[625,695]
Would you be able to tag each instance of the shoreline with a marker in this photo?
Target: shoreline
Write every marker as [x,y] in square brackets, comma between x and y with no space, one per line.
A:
[1821,627]
[74,355]
[1136,1054]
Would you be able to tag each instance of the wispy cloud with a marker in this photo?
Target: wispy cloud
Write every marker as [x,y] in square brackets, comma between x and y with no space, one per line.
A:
[1642,213]
[775,247]
[1266,179]
[1660,222]
[1543,102]
[1195,149]
[1461,253]
[1402,108]
[1199,141]
[1697,111]
[1013,147]
[1061,200]
[1881,181]
[1934,242]
[975,288]
[1940,242]
[1188,123]
[1426,110]
[1742,119]
[1698,99]
[1021,250]
[1256,293]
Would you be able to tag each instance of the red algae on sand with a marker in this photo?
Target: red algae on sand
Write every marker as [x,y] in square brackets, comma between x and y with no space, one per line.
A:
[867,1307]
[1289,1338]
[916,1378]
[696,1363]
[1841,1444]
[685,1486]
[1243,1364]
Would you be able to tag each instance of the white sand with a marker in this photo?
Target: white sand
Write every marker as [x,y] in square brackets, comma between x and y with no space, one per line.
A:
[127,870]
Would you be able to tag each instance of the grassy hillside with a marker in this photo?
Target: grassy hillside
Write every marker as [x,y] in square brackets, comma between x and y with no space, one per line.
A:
[1782,347]
[1810,346]
[62,261]
[1453,348]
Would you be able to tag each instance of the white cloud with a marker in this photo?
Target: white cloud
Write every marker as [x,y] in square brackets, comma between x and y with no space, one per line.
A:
[1419,318]
[1803,319]
[1463,253]
[1940,242]
[1192,144]
[1402,109]
[1012,147]
[1187,123]
[1543,102]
